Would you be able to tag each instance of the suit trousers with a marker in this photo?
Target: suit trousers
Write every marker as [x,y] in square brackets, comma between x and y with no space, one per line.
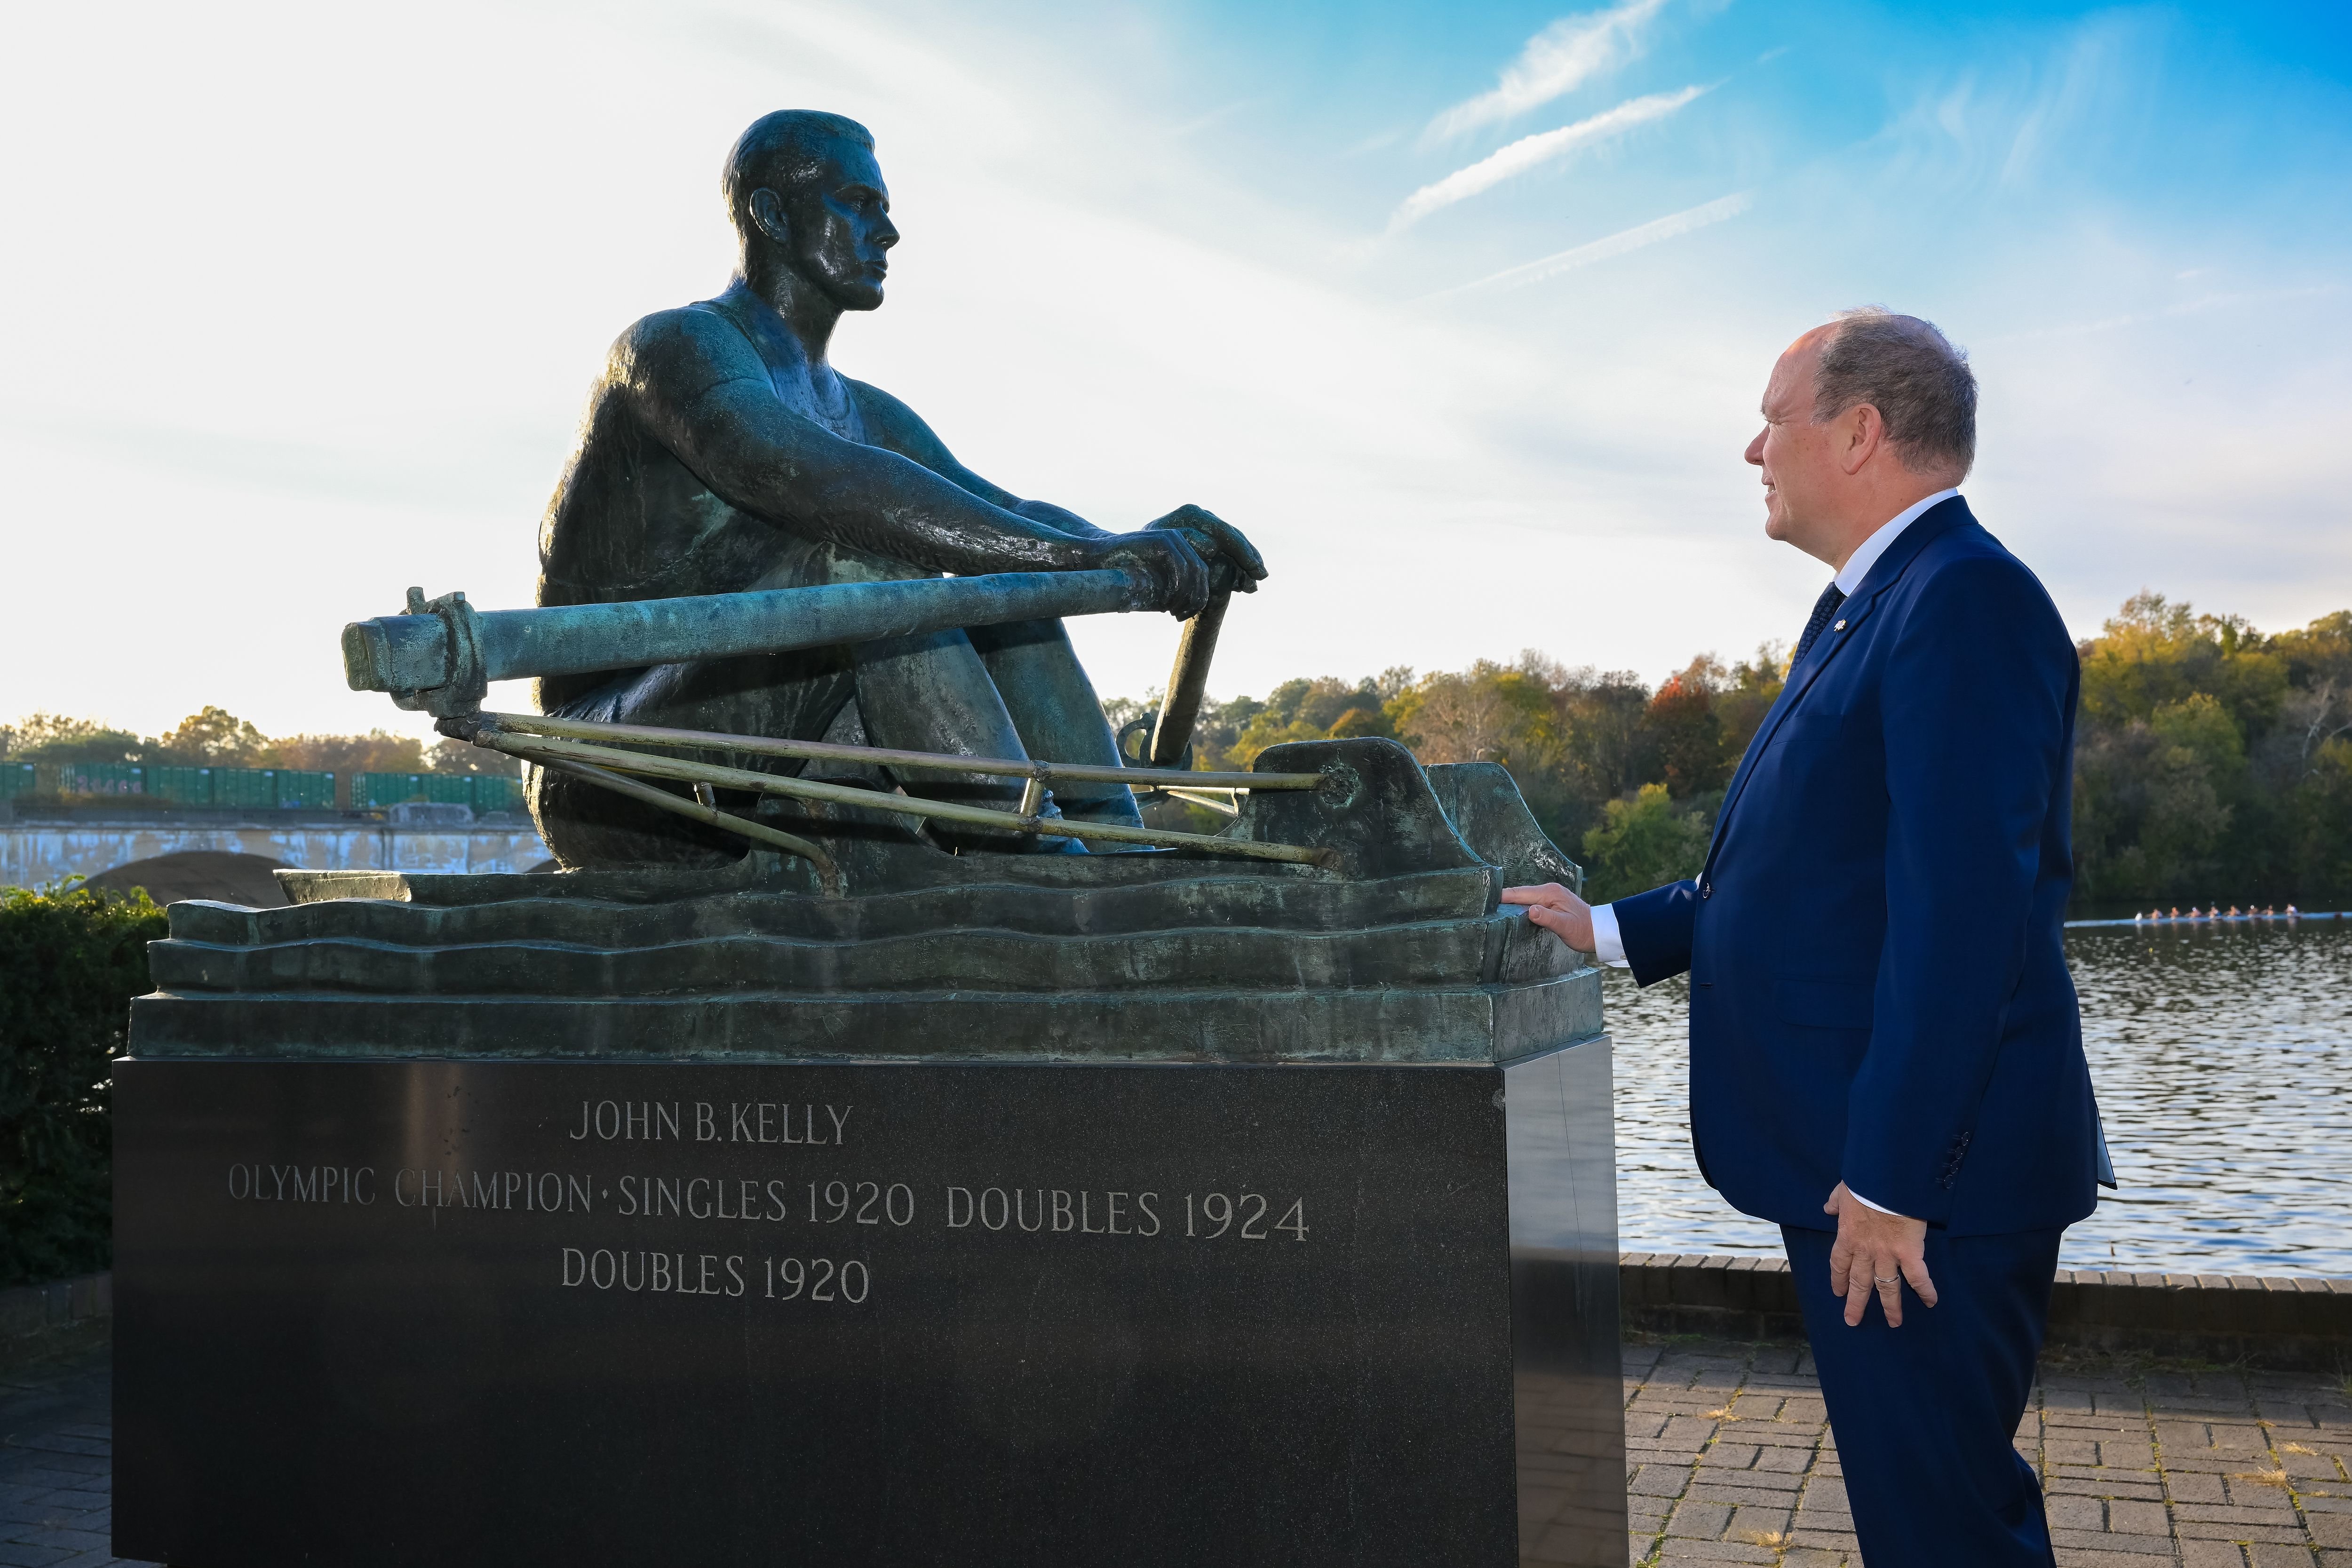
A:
[1926,1414]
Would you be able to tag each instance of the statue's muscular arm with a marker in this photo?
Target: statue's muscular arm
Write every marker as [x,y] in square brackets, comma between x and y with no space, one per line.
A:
[890,423]
[701,390]
[893,425]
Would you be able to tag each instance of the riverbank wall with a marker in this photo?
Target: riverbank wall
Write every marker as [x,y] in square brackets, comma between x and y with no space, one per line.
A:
[2289,1324]
[38,846]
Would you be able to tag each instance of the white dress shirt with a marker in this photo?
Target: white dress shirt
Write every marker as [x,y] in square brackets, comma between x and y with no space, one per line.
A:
[1608,945]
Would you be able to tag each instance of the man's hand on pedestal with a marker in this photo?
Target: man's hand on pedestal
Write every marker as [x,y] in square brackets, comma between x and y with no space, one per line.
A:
[1875,1252]
[1558,911]
[1216,541]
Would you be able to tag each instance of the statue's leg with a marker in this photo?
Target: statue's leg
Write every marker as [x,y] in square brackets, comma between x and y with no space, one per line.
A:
[930,692]
[788,694]
[1054,706]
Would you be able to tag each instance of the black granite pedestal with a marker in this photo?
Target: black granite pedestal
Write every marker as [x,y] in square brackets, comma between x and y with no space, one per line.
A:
[498,1313]
[1029,1210]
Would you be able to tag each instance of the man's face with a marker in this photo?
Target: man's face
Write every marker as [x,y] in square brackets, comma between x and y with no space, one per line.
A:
[1798,456]
[841,230]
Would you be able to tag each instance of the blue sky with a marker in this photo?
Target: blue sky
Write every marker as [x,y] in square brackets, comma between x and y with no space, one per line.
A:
[1462,312]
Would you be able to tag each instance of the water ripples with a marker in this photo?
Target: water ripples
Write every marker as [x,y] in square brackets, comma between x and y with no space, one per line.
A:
[2222,1058]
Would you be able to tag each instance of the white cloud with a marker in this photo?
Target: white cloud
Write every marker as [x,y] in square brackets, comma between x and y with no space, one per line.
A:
[1530,152]
[2198,306]
[1668,227]
[2060,122]
[1214,117]
[1556,61]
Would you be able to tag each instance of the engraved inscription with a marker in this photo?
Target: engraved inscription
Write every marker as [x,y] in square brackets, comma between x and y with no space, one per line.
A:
[303,1184]
[733,1121]
[858,1207]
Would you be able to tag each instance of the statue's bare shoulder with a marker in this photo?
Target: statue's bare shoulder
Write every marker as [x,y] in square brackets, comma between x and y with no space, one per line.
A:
[672,361]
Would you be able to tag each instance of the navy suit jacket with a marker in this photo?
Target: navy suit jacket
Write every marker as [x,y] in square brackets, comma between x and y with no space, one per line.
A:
[1878,992]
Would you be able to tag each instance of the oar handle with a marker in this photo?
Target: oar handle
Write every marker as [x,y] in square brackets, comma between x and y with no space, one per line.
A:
[440,655]
[1187,681]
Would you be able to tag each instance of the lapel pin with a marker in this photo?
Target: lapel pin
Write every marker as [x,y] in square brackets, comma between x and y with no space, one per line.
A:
[1841,626]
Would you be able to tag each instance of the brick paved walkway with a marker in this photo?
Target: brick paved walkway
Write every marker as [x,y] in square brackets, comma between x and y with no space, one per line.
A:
[57,1464]
[2144,1465]
[1729,1461]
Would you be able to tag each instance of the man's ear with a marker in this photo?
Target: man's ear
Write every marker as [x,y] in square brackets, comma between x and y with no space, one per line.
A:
[768,215]
[1862,431]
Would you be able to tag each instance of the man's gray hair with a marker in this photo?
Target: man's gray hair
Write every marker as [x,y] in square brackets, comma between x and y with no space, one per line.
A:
[1908,371]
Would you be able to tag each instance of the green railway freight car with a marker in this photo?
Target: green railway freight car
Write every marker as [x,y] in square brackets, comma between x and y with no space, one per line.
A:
[252,789]
[483,792]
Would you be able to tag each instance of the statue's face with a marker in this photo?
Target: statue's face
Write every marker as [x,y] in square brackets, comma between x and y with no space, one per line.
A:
[839,229]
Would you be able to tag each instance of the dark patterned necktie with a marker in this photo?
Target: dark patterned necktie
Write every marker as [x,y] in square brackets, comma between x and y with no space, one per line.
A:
[1823,608]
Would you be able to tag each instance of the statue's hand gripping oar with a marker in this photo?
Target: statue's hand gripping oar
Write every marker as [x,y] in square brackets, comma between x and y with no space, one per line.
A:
[1234,564]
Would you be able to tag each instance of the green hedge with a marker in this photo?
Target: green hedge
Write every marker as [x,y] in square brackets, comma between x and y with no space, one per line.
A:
[70,961]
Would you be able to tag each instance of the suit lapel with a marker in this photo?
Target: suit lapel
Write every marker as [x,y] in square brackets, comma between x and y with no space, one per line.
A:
[1883,574]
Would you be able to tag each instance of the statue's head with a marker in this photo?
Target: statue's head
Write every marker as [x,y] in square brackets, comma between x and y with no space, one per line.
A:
[802,188]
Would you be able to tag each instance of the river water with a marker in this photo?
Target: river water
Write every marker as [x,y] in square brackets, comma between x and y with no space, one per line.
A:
[2222,1058]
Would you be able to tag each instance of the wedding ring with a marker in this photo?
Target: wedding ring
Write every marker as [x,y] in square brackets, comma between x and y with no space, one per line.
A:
[1895,1280]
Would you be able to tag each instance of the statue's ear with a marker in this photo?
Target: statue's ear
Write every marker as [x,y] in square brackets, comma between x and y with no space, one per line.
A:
[768,215]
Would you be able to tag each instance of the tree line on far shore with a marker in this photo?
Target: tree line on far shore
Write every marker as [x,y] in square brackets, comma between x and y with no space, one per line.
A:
[215,738]
[2212,761]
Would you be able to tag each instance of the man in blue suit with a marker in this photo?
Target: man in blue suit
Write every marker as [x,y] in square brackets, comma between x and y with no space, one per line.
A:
[1882,1034]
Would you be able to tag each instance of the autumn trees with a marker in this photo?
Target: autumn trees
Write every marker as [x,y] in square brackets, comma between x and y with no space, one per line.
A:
[2212,761]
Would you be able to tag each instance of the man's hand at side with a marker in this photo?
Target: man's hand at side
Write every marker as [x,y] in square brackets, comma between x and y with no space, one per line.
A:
[1558,911]
[1875,1251]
